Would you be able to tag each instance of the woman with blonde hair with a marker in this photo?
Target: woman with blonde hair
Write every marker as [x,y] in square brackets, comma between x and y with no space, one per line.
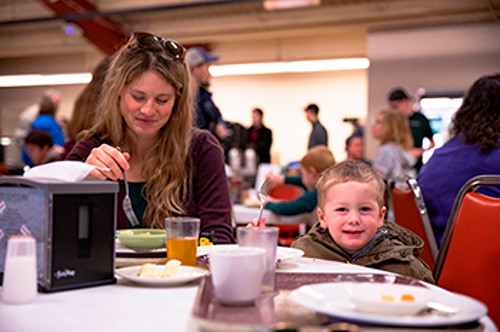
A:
[144,130]
[393,157]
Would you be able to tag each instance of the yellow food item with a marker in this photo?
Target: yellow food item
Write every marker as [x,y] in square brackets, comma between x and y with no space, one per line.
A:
[145,233]
[408,298]
[126,232]
[171,269]
[387,298]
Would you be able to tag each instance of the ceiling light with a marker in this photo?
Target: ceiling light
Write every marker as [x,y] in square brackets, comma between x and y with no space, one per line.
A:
[289,67]
[288,4]
[10,81]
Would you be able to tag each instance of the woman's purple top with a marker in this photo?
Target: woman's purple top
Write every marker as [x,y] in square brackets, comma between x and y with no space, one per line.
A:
[449,168]
[209,197]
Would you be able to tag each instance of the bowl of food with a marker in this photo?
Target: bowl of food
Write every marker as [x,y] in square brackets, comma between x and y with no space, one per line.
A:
[388,299]
[141,238]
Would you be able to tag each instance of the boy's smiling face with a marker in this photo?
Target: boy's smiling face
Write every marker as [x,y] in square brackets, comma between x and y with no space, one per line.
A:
[351,214]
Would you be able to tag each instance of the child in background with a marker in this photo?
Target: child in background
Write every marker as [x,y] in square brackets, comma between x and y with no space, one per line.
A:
[315,161]
[351,225]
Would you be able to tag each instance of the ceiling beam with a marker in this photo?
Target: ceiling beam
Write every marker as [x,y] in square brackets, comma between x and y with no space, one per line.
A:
[103,32]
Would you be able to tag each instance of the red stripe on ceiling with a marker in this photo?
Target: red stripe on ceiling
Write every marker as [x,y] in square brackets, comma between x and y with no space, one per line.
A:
[103,32]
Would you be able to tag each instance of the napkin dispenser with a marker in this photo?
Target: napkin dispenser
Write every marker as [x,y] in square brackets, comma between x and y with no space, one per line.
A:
[73,223]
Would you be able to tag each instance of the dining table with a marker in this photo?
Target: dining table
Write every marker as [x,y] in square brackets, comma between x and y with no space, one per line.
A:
[128,306]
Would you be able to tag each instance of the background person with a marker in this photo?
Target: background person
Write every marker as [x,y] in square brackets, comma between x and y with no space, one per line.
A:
[40,149]
[319,135]
[260,137]
[419,125]
[354,147]
[351,225]
[393,157]
[23,127]
[208,115]
[474,149]
[315,161]
[173,168]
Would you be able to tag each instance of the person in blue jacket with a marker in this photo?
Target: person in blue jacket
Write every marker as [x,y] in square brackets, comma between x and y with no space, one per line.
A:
[314,162]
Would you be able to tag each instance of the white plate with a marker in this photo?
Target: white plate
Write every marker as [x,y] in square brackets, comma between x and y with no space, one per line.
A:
[185,275]
[282,253]
[331,299]
[288,254]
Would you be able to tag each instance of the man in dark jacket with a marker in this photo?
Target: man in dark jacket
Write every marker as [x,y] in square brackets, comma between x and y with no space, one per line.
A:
[260,137]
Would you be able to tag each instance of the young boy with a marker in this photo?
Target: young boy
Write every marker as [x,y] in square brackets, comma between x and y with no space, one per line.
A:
[351,224]
[315,161]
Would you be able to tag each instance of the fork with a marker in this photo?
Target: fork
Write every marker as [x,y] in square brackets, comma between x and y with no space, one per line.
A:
[127,205]
[264,190]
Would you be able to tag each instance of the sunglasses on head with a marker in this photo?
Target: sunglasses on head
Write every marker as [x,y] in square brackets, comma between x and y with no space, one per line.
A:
[174,49]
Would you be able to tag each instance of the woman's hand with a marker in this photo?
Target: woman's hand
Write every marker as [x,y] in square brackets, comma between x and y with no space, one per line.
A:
[106,156]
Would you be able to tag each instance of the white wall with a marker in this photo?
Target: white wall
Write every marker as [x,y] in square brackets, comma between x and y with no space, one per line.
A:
[283,98]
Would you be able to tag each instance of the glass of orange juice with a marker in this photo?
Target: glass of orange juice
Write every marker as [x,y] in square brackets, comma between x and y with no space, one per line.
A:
[182,237]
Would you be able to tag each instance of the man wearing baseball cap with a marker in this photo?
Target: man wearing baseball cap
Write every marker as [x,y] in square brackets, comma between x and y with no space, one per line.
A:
[208,115]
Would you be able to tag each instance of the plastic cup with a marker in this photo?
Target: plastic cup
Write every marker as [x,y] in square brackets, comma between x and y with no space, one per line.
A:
[182,237]
[20,274]
[265,238]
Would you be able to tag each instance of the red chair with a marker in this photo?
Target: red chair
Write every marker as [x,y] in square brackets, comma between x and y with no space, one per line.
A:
[288,232]
[469,259]
[411,213]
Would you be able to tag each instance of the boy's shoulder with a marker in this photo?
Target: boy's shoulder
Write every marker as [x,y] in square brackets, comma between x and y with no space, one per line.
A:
[402,235]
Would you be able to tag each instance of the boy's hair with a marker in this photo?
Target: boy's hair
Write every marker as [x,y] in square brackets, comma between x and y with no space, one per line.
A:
[319,157]
[349,170]
[39,137]
[396,128]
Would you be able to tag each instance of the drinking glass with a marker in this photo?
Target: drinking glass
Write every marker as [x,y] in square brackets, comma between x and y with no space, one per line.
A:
[182,236]
[266,238]
[20,274]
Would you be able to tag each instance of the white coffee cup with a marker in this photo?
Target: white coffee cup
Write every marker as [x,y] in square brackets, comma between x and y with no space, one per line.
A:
[20,279]
[237,274]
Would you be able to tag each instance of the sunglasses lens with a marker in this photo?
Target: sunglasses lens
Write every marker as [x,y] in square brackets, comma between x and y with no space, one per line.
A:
[174,49]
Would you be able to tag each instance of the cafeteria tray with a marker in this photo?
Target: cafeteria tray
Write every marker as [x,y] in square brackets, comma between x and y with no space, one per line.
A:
[276,311]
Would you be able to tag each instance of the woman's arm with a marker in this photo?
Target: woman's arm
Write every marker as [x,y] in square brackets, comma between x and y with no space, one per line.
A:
[211,202]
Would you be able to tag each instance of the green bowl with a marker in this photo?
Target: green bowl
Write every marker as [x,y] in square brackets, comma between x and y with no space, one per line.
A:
[141,238]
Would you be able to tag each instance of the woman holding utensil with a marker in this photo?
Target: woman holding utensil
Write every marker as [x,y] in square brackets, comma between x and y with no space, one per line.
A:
[172,168]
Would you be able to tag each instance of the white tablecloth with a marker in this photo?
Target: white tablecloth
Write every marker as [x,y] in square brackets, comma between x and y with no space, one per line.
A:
[127,307]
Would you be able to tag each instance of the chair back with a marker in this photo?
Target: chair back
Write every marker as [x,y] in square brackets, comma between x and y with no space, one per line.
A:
[469,259]
[286,192]
[411,213]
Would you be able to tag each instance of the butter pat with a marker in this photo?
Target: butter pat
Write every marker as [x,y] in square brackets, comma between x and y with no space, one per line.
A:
[171,268]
